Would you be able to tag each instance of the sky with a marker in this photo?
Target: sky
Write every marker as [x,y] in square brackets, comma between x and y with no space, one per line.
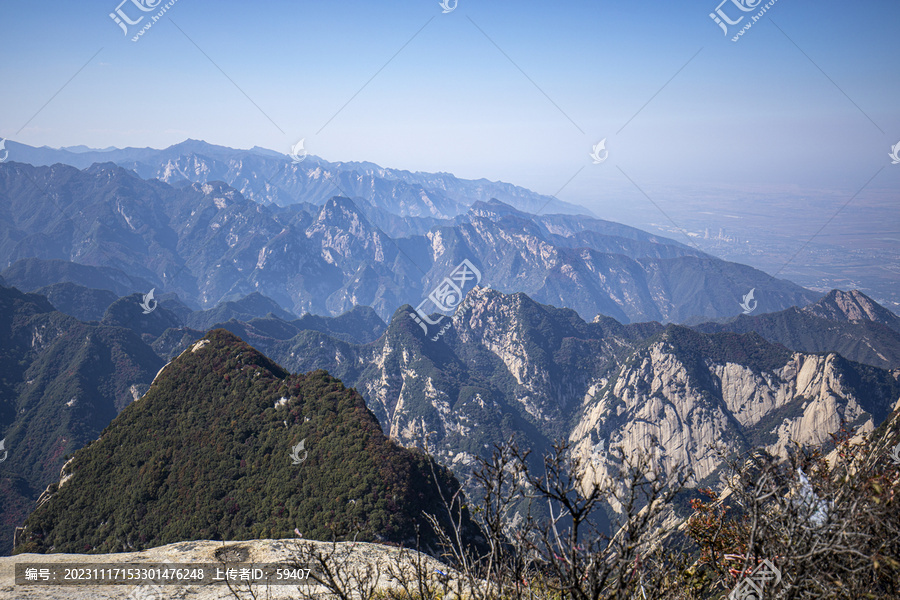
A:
[808,97]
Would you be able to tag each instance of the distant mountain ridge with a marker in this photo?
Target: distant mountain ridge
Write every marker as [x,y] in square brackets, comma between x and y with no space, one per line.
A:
[849,323]
[209,244]
[242,316]
[85,304]
[34,273]
[853,306]
[403,193]
[246,308]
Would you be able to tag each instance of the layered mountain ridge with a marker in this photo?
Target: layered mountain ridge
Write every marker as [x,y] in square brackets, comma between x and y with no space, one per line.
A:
[312,180]
[509,367]
[569,336]
[209,244]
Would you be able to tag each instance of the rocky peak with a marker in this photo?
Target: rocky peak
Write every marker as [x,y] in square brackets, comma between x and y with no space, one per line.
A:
[853,306]
[493,209]
[340,217]
[710,395]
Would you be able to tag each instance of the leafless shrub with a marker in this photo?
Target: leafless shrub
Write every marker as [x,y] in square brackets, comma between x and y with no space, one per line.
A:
[334,569]
[832,527]
[545,529]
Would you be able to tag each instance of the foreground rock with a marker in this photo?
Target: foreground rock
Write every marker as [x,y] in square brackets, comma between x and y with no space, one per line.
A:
[347,558]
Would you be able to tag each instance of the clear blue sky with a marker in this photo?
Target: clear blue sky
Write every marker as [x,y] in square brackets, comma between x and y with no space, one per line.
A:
[755,111]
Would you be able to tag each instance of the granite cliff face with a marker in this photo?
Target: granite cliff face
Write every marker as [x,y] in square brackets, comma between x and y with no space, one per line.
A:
[510,367]
[853,306]
[690,409]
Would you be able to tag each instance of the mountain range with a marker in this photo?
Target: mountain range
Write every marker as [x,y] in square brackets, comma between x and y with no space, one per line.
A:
[209,244]
[269,177]
[149,311]
[520,369]
[510,367]
[507,368]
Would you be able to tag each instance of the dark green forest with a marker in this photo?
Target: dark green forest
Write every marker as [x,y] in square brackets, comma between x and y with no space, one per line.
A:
[205,454]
